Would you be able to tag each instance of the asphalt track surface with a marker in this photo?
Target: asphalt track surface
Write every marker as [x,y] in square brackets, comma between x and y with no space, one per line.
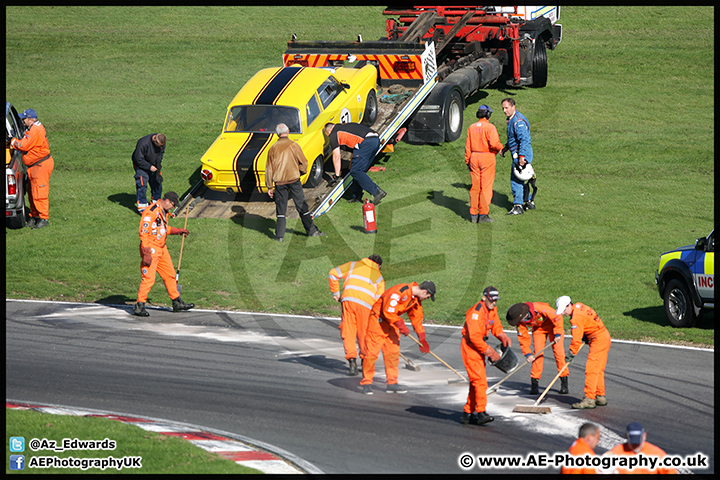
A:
[282,381]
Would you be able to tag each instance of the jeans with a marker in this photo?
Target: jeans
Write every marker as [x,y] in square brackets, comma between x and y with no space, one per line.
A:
[362,159]
[281,195]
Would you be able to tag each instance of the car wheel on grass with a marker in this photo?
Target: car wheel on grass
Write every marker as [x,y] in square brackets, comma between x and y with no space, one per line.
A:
[678,304]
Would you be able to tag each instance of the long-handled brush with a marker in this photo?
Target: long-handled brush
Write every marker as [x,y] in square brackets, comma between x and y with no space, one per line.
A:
[495,387]
[409,364]
[534,407]
[452,380]
[182,244]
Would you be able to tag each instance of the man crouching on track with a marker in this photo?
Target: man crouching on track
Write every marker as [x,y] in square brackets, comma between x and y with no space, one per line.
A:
[480,320]
[384,325]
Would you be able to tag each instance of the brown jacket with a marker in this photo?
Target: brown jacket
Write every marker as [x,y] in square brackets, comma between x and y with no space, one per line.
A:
[286,162]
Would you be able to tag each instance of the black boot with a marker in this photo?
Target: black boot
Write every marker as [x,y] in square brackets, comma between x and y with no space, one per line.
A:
[484,418]
[352,369]
[564,386]
[139,310]
[534,386]
[469,419]
[178,305]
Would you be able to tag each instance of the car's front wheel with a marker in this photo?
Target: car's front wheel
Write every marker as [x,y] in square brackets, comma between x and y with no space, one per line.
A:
[678,304]
[316,172]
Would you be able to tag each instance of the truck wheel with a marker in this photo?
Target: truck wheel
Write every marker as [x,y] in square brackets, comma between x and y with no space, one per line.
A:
[17,221]
[371,109]
[678,304]
[453,115]
[540,64]
[316,172]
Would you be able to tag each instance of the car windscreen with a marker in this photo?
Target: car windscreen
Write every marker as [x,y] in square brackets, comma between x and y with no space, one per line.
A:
[262,118]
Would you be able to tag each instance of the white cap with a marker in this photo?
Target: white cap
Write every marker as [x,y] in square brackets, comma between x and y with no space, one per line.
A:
[561,304]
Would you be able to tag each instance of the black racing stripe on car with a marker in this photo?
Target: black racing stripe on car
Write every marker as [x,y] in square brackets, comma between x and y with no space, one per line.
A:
[276,85]
[247,155]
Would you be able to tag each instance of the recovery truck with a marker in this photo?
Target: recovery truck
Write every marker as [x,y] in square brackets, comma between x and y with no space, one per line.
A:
[440,55]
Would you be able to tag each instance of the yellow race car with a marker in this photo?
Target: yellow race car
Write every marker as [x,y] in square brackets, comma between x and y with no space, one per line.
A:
[303,98]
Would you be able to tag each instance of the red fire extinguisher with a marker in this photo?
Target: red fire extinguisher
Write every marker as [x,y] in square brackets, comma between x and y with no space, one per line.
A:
[369,216]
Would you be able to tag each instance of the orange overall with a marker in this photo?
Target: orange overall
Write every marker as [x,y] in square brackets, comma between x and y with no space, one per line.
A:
[36,156]
[479,323]
[647,449]
[481,146]
[382,334]
[153,232]
[584,322]
[545,325]
[362,286]
[578,449]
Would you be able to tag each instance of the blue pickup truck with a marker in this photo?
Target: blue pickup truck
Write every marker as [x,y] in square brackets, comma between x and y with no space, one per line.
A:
[685,278]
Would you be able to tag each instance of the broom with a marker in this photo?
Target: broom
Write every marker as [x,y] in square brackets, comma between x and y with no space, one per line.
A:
[182,244]
[534,407]
[495,387]
[452,380]
[409,364]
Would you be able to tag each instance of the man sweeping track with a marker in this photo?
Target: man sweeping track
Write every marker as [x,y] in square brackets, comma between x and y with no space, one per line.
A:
[362,286]
[154,255]
[546,326]
[384,326]
[480,320]
[587,326]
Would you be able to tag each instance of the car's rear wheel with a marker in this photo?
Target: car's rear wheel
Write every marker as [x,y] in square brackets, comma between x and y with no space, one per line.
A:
[18,221]
[371,109]
[316,172]
[678,304]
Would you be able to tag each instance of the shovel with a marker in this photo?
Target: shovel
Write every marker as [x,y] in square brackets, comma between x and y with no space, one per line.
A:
[182,245]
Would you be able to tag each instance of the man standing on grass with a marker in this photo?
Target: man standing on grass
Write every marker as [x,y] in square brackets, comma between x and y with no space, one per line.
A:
[519,145]
[40,164]
[362,286]
[384,326]
[587,327]
[154,255]
[481,146]
[286,162]
[147,162]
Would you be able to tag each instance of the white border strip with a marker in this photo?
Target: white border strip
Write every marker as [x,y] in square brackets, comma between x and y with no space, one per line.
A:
[309,317]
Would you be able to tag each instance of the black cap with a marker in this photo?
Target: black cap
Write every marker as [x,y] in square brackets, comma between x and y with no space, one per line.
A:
[173,197]
[492,293]
[517,313]
[429,287]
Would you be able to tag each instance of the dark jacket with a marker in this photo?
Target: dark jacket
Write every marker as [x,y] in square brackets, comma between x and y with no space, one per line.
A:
[146,154]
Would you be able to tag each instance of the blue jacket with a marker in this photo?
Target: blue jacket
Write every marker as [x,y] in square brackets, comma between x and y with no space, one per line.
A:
[518,136]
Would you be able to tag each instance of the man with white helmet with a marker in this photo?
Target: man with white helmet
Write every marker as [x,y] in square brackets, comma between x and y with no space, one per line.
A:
[586,326]
[520,146]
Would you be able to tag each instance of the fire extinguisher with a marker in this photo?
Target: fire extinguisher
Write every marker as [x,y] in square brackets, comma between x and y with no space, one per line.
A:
[369,216]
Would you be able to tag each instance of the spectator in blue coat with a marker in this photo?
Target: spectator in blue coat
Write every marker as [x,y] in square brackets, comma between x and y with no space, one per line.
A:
[519,145]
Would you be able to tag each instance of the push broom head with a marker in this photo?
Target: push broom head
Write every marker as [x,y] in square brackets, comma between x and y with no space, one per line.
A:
[531,409]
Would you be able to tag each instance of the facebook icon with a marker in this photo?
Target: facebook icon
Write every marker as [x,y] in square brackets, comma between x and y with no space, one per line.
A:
[17,462]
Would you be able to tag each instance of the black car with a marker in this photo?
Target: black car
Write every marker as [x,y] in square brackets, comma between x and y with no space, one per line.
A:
[15,175]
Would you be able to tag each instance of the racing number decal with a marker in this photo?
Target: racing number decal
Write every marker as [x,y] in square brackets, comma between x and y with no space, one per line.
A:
[345,116]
